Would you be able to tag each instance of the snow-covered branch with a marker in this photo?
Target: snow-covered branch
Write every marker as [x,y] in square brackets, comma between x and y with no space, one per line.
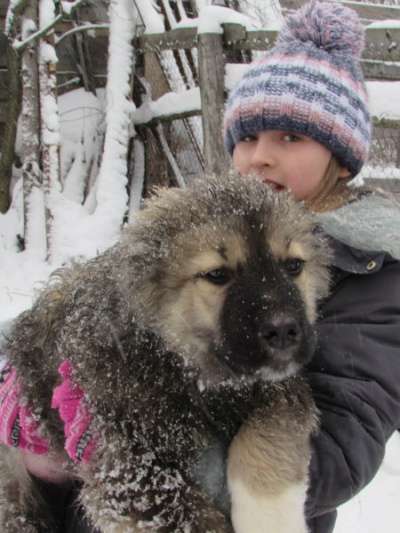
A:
[15,7]
[84,27]
[69,7]
[64,12]
[170,106]
[111,195]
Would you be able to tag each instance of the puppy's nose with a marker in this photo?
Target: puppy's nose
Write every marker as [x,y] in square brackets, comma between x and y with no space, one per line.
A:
[280,334]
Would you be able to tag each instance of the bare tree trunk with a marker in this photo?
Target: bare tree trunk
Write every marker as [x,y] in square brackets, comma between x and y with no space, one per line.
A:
[49,124]
[34,213]
[10,132]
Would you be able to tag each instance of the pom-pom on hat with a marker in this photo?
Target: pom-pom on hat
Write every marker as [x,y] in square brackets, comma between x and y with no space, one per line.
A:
[309,83]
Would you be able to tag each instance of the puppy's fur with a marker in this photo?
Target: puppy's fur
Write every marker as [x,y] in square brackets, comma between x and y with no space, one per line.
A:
[180,334]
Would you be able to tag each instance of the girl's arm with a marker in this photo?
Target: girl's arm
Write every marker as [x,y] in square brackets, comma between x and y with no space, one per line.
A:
[355,377]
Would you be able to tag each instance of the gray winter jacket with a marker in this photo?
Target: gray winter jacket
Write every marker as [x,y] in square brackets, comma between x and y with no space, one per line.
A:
[355,374]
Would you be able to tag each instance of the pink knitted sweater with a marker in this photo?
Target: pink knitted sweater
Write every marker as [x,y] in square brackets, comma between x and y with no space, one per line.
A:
[19,428]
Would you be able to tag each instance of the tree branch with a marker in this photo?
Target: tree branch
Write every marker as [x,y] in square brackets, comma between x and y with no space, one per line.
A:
[20,46]
[83,27]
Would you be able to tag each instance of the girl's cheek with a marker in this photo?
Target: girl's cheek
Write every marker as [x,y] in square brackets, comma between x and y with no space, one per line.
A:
[241,160]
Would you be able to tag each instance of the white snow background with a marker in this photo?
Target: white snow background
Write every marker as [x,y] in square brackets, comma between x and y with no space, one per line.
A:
[22,274]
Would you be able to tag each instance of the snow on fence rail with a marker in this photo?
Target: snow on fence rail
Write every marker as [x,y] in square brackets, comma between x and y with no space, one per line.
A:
[365,10]
[381,57]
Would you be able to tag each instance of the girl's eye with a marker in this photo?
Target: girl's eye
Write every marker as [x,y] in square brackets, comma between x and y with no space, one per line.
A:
[291,138]
[294,266]
[248,139]
[219,276]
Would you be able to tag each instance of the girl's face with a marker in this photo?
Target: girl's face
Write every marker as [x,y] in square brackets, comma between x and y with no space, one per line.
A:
[284,160]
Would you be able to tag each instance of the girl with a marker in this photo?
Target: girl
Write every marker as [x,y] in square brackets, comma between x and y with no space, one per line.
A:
[299,121]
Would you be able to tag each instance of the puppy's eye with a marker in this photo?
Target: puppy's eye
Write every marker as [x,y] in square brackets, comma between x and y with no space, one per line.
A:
[293,266]
[219,276]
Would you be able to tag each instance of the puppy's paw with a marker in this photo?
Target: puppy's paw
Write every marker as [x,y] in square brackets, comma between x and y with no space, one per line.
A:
[268,461]
[261,513]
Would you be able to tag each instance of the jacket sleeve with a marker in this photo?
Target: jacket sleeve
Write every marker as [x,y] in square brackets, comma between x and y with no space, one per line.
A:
[355,377]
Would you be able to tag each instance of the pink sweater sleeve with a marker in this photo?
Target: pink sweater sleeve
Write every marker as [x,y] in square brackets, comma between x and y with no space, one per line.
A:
[69,399]
[19,428]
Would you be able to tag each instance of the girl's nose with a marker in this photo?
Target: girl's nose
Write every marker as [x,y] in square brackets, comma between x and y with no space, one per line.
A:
[263,154]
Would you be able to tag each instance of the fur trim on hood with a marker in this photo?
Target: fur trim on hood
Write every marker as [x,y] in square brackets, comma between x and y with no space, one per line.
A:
[371,223]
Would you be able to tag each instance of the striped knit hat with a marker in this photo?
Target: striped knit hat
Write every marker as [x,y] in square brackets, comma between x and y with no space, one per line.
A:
[310,83]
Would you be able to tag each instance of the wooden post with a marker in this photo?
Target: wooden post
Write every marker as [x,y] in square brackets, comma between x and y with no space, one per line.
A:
[211,79]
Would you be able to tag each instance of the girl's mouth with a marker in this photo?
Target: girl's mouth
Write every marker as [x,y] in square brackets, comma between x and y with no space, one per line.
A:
[274,185]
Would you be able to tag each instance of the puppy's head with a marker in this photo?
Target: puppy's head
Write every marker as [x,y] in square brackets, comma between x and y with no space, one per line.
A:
[229,274]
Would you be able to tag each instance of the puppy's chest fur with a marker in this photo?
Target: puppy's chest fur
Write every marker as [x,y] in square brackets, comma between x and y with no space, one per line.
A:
[157,398]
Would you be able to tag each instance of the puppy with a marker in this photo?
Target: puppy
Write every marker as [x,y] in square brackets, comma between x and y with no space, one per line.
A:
[188,331]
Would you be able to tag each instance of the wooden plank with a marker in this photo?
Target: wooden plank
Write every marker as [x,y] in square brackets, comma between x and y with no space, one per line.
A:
[386,122]
[181,38]
[374,11]
[212,89]
[236,37]
[382,43]
[391,185]
[380,70]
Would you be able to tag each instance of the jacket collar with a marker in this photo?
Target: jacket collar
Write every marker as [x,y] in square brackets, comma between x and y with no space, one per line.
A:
[354,261]
[370,224]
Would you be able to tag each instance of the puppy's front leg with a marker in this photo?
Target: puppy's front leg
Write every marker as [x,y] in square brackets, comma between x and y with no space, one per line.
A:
[268,463]
[127,489]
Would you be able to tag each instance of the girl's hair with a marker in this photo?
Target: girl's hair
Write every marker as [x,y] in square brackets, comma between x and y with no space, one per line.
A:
[332,192]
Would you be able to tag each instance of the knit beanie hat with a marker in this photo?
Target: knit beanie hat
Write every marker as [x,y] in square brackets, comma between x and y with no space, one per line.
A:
[309,83]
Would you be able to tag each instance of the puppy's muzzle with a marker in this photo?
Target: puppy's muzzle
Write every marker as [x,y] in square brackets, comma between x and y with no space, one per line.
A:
[280,337]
